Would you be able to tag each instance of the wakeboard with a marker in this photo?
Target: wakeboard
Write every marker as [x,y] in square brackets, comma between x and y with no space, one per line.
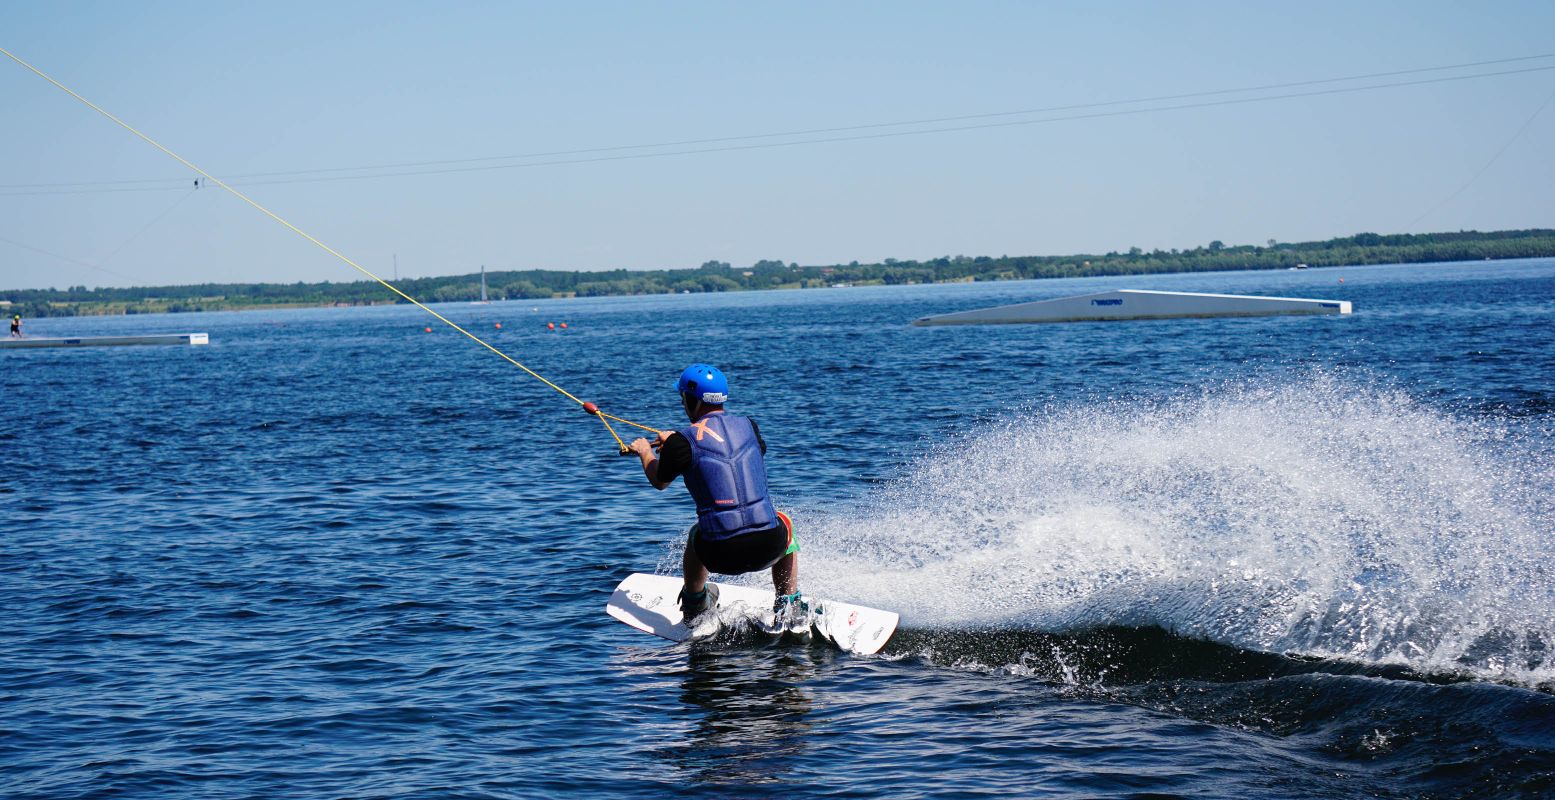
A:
[649,603]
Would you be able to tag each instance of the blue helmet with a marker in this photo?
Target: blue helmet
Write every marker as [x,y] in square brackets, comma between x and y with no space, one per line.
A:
[705,383]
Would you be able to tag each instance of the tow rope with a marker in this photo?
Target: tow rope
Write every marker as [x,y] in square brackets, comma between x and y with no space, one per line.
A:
[588,408]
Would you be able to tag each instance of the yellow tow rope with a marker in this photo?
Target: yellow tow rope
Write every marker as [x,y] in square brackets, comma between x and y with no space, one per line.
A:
[587,407]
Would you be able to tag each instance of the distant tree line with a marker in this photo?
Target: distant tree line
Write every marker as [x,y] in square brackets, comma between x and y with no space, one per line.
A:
[718,276]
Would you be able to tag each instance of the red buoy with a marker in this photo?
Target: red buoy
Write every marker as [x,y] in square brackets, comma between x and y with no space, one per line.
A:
[428,330]
[591,408]
[499,326]
[550,326]
[564,324]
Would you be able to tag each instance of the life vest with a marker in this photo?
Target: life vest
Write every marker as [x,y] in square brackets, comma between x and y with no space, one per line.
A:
[728,478]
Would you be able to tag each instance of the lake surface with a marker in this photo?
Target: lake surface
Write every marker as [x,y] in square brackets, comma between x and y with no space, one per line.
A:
[334,555]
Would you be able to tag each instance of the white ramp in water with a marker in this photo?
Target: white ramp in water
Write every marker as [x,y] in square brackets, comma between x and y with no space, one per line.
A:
[1138,304]
[105,341]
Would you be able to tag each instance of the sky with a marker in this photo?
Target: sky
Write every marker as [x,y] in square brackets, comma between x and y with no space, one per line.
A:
[477,94]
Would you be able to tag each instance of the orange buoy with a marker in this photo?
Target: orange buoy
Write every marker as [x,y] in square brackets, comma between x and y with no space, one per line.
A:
[564,325]
[550,326]
[428,330]
[499,326]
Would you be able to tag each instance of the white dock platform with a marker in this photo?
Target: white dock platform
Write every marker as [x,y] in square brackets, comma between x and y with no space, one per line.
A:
[104,341]
[1138,304]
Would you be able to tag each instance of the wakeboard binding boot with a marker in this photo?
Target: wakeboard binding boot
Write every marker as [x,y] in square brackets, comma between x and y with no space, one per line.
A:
[695,605]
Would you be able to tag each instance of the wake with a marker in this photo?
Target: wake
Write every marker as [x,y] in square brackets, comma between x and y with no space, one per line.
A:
[1315,517]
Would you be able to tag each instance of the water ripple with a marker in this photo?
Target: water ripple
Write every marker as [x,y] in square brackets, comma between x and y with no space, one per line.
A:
[333,556]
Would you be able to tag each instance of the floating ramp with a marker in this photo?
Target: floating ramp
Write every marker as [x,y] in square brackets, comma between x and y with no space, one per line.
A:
[1138,304]
[104,341]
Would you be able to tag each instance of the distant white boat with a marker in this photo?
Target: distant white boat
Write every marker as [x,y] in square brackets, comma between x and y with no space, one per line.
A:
[103,341]
[1138,304]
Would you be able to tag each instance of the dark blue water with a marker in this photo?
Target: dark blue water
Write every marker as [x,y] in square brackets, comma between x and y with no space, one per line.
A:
[332,555]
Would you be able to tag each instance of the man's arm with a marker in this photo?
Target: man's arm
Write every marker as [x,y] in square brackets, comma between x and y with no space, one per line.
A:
[759,440]
[650,460]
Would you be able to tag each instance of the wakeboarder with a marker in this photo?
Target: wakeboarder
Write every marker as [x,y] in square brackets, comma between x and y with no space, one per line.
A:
[721,456]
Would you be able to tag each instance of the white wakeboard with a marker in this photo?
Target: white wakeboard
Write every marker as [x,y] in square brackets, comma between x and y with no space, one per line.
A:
[650,603]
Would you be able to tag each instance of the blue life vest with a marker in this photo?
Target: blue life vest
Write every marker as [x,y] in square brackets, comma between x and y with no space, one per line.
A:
[728,478]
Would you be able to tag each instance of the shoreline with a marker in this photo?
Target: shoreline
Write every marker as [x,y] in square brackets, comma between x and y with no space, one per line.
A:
[720,277]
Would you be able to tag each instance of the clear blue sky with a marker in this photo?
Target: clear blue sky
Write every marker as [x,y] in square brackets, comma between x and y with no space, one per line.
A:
[283,86]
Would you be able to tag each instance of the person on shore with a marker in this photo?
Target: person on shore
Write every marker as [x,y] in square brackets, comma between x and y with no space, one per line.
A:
[721,457]
[16,326]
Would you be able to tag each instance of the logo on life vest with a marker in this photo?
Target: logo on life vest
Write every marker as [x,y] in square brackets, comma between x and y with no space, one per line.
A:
[701,428]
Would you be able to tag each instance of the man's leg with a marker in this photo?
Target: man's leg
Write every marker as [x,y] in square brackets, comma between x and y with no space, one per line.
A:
[785,574]
[695,574]
[790,612]
[697,595]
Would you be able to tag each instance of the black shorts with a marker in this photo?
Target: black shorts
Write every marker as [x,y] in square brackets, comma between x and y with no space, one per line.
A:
[747,552]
